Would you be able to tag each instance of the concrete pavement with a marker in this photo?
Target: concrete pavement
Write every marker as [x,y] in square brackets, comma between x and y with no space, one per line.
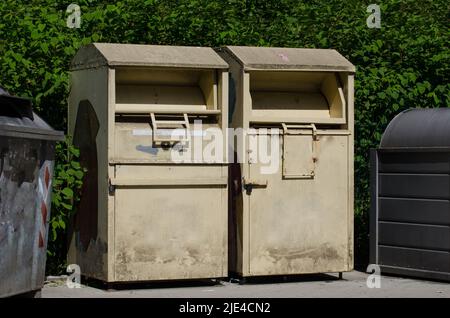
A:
[352,285]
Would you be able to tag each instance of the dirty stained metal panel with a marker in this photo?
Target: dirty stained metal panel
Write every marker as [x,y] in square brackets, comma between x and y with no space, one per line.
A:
[260,58]
[299,219]
[136,55]
[23,234]
[156,219]
[300,225]
[175,239]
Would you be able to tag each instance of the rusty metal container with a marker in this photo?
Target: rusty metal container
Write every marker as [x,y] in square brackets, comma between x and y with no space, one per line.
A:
[298,218]
[144,216]
[27,158]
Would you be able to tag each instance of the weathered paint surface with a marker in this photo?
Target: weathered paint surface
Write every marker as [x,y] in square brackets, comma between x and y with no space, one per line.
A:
[88,247]
[92,260]
[156,219]
[25,183]
[170,232]
[181,238]
[300,219]
[114,54]
[300,225]
[269,58]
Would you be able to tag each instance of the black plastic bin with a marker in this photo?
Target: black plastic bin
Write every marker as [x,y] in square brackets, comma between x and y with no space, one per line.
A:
[27,147]
[410,206]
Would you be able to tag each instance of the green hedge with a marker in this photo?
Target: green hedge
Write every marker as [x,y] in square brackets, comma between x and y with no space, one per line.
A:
[404,64]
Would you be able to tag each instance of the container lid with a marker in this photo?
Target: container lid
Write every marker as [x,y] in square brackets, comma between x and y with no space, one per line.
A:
[101,54]
[268,58]
[418,128]
[17,119]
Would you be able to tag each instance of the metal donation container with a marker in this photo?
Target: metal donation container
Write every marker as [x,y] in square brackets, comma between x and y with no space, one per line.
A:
[27,158]
[297,218]
[410,185]
[146,214]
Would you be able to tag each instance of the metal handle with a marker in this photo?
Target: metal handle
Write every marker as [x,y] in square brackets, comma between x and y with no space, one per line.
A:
[248,185]
[256,182]
[169,124]
[286,128]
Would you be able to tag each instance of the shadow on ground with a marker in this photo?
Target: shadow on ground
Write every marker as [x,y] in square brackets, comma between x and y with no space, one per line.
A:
[209,282]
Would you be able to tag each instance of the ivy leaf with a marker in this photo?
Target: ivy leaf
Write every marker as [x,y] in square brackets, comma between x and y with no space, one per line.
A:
[67,192]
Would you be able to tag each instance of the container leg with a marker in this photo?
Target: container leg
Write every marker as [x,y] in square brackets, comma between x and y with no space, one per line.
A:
[110,287]
[30,294]
[340,275]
